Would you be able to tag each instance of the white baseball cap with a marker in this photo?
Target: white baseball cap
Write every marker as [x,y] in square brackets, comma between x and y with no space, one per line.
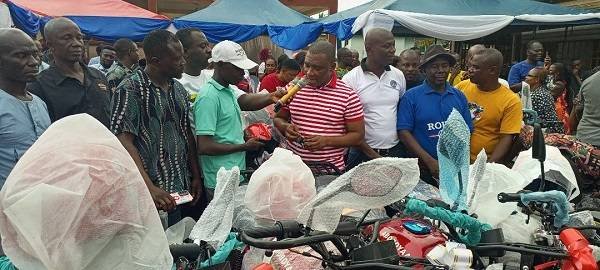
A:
[231,52]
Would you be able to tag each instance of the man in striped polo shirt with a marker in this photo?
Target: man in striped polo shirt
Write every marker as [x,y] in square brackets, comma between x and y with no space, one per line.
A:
[326,116]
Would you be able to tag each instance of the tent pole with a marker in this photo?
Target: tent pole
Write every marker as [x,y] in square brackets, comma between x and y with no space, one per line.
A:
[565,48]
[153,6]
[514,48]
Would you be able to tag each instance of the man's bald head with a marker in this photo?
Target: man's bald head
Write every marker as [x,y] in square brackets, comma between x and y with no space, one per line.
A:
[377,35]
[380,47]
[475,49]
[492,57]
[53,28]
[65,40]
[13,38]
[19,56]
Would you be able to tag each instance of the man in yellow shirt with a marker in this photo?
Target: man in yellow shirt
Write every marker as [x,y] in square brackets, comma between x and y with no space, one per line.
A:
[456,75]
[497,112]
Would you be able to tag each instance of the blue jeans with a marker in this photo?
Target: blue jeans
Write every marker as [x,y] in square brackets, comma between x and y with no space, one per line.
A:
[356,156]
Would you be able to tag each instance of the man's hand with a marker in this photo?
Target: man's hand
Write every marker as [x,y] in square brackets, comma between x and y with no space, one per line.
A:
[253,144]
[196,190]
[292,133]
[434,168]
[314,143]
[162,199]
[280,92]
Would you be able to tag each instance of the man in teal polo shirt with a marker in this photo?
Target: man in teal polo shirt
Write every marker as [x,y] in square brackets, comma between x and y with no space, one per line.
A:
[217,115]
[424,109]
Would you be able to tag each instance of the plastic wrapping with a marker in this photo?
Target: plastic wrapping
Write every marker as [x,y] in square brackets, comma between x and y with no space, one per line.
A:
[489,179]
[453,158]
[372,184]
[215,223]
[557,167]
[180,231]
[76,200]
[281,187]
[560,204]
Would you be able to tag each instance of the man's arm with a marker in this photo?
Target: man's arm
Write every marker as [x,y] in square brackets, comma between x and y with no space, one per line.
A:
[196,185]
[208,147]
[577,112]
[514,79]
[411,143]
[281,122]
[502,148]
[368,151]
[162,199]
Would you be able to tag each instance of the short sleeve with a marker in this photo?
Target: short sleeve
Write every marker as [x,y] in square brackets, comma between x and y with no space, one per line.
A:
[514,75]
[513,117]
[406,114]
[348,79]
[354,109]
[206,110]
[125,110]
[465,112]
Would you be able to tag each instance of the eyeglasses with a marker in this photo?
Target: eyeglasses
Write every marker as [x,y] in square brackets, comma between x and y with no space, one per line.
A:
[529,75]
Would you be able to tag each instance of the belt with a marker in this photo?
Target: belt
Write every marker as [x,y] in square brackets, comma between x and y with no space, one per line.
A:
[383,152]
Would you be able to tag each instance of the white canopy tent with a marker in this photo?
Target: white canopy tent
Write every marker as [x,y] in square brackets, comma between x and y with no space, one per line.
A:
[5,19]
[457,28]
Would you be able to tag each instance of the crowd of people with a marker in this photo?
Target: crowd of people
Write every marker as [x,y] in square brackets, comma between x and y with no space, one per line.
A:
[178,112]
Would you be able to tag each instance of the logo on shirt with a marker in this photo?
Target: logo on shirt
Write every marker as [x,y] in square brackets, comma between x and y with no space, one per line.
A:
[476,111]
[393,83]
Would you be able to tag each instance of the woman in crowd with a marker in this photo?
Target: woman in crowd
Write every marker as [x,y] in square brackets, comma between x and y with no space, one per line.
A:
[558,85]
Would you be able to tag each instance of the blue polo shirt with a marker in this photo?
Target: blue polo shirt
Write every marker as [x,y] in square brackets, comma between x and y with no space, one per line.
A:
[423,112]
[519,71]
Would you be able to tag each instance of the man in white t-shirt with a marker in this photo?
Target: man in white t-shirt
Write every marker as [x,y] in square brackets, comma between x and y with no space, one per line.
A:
[197,51]
[379,86]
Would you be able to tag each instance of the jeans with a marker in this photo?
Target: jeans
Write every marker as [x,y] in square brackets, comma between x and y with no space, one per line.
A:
[356,156]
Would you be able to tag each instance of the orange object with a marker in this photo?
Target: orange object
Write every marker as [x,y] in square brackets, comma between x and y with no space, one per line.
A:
[264,266]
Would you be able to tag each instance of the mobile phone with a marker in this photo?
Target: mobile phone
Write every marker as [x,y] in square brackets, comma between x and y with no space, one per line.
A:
[182,197]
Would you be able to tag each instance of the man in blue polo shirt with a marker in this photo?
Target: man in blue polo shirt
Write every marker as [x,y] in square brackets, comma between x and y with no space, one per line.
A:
[424,109]
[518,72]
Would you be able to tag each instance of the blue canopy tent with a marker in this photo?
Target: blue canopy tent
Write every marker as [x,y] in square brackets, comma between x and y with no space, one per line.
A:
[240,21]
[92,16]
[340,24]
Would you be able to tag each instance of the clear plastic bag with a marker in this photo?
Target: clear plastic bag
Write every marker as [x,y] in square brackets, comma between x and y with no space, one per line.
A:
[76,200]
[281,187]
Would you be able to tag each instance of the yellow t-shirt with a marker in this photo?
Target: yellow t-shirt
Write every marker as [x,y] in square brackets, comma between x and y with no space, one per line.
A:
[457,79]
[494,113]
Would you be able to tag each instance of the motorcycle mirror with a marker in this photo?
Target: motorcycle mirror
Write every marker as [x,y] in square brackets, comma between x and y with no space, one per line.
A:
[538,146]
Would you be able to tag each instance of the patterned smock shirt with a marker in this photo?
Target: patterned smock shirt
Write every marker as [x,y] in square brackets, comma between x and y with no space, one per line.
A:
[158,120]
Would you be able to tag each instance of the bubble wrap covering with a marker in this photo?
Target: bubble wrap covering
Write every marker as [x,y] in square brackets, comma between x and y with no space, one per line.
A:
[76,200]
[372,184]
[215,223]
[453,158]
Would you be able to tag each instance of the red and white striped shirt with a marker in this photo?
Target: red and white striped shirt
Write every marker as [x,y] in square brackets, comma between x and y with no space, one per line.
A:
[324,112]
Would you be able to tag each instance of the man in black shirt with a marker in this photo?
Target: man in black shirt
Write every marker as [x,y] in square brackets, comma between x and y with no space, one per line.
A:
[408,63]
[69,87]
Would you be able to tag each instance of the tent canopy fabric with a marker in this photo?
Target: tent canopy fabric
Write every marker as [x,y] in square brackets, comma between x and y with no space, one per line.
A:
[457,28]
[339,22]
[106,20]
[240,21]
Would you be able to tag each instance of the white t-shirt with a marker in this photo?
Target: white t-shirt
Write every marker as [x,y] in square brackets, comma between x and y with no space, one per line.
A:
[193,83]
[380,97]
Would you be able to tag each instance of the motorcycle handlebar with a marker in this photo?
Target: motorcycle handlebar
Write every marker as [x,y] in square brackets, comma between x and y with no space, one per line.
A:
[509,197]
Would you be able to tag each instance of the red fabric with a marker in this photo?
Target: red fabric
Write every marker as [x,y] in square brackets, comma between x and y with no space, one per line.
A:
[271,82]
[561,111]
[105,8]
